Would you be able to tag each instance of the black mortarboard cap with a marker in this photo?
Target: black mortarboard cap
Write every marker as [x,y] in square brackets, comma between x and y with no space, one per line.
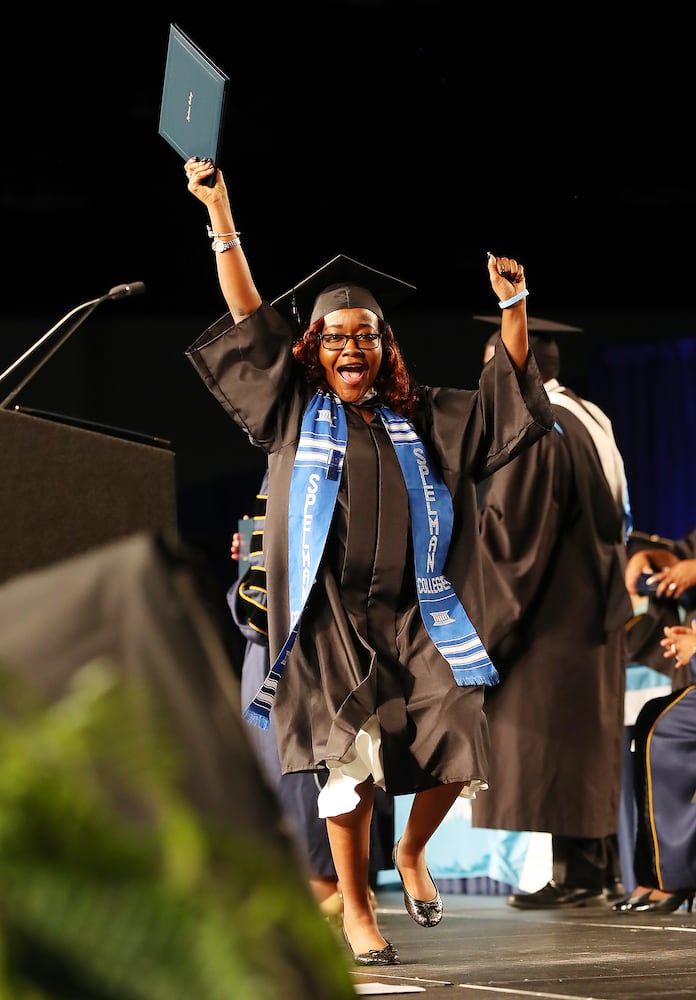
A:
[341,283]
[542,339]
[543,328]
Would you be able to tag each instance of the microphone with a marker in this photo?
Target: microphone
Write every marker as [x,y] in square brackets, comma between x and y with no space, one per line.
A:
[121,291]
[86,308]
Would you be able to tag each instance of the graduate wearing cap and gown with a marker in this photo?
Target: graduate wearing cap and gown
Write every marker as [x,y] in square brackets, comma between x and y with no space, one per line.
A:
[554,522]
[359,683]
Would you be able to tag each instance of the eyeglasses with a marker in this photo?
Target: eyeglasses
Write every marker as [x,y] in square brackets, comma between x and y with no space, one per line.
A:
[337,341]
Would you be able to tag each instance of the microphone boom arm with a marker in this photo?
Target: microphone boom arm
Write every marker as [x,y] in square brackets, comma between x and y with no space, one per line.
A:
[88,306]
[118,292]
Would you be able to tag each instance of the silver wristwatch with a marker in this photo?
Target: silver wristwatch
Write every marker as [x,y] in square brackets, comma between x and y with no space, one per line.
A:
[219,246]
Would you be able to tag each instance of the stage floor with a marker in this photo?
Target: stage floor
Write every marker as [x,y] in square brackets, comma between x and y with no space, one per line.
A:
[487,950]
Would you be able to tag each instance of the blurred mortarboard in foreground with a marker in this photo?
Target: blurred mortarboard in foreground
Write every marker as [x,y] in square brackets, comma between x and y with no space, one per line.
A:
[341,283]
[542,340]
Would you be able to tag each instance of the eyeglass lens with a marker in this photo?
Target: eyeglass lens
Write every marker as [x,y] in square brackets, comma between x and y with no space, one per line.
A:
[337,341]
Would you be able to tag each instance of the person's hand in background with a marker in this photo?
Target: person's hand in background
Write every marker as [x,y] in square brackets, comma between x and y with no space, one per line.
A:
[679,643]
[236,543]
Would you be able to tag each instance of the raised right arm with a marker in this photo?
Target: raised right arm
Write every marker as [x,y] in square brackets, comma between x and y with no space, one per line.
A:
[234,274]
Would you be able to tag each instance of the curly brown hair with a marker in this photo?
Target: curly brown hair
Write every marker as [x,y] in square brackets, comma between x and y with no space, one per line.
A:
[393,384]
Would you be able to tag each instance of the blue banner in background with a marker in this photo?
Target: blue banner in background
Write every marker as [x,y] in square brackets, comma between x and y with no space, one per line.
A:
[457,850]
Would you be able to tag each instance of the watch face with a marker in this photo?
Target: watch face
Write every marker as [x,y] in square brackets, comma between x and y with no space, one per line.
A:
[218,245]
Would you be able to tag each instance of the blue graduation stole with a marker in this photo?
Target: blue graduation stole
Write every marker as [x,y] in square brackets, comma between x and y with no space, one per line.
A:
[313,491]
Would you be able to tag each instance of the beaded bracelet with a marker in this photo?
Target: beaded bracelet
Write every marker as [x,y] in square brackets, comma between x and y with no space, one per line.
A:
[504,303]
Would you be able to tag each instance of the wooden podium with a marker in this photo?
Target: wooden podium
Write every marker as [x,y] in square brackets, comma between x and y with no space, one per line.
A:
[65,488]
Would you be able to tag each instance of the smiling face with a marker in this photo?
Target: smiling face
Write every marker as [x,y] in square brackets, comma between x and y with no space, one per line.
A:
[350,370]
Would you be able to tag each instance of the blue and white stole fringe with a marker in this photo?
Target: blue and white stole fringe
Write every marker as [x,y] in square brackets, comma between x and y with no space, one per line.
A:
[313,491]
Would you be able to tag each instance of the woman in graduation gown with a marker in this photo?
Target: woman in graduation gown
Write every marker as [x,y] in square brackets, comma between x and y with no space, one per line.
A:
[358,683]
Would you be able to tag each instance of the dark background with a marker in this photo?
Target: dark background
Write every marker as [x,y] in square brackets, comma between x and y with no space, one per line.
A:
[412,136]
[403,132]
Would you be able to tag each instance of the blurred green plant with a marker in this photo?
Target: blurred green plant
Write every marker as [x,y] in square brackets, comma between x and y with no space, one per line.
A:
[112,887]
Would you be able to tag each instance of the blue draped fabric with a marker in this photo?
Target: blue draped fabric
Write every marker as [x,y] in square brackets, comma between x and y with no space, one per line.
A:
[649,392]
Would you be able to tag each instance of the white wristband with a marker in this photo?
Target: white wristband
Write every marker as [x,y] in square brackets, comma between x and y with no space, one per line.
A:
[504,303]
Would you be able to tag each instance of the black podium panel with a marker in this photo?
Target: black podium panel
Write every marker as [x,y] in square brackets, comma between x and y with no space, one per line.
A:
[64,489]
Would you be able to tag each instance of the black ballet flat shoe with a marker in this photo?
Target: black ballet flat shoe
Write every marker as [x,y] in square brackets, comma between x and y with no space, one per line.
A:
[667,905]
[630,902]
[376,956]
[426,913]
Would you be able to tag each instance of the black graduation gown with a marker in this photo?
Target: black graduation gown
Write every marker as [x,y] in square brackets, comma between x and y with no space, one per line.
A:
[555,535]
[362,647]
